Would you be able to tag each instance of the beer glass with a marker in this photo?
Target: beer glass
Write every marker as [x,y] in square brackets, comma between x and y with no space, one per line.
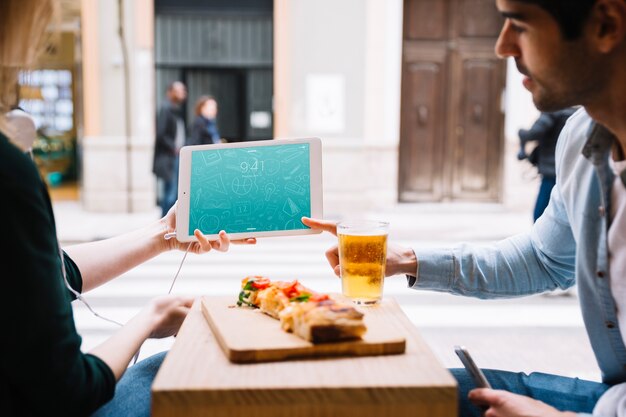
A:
[362,258]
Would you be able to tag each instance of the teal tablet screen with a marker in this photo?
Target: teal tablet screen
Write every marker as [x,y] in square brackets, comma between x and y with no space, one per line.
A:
[252,189]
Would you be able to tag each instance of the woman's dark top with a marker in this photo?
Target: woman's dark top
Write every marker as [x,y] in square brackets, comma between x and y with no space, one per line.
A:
[43,371]
[203,132]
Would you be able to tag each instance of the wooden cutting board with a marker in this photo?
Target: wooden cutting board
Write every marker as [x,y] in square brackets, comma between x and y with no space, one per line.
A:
[247,336]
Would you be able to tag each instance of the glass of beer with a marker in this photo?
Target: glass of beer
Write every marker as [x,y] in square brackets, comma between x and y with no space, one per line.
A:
[362,258]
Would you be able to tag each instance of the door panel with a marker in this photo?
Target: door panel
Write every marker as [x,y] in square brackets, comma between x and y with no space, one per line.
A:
[478,123]
[259,101]
[225,86]
[422,123]
[476,19]
[451,128]
[425,19]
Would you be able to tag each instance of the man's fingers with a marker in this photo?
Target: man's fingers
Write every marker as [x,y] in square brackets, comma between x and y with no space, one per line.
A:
[248,241]
[332,255]
[485,396]
[324,225]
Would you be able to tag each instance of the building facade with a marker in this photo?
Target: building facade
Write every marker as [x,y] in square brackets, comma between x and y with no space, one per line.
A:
[336,73]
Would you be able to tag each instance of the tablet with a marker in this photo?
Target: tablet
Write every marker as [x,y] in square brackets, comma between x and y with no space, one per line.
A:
[249,189]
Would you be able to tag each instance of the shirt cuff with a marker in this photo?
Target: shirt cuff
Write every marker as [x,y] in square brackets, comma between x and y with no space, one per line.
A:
[435,270]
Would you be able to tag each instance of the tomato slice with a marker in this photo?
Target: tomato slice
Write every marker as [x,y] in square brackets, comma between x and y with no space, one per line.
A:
[260,283]
[318,297]
[291,289]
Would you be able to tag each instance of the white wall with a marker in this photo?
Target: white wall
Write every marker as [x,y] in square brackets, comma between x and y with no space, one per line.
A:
[345,69]
[519,107]
[108,152]
[328,51]
[521,182]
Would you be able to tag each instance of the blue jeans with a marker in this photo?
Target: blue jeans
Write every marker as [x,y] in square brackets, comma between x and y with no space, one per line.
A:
[170,191]
[543,198]
[132,392]
[564,394]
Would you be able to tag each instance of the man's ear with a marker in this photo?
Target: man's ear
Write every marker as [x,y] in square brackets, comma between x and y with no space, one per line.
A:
[608,24]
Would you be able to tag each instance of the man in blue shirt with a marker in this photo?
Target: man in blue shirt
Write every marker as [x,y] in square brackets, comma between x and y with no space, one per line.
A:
[571,52]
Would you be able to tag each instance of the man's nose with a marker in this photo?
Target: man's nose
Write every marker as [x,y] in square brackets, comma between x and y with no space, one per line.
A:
[506,45]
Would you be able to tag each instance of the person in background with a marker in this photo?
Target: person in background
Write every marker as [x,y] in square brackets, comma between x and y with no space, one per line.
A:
[204,129]
[571,52]
[545,131]
[43,371]
[170,137]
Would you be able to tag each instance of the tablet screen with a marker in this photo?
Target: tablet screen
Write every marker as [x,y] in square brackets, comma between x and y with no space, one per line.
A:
[251,189]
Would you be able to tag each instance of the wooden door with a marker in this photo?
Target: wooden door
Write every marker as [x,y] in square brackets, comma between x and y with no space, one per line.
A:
[451,138]
[226,87]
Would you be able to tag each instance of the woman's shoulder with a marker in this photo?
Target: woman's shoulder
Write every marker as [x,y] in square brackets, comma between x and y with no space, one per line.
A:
[16,167]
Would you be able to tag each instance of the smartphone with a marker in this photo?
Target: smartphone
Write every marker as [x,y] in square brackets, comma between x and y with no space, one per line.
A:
[470,365]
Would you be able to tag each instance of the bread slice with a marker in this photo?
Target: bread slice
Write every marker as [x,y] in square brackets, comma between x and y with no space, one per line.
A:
[315,317]
[324,321]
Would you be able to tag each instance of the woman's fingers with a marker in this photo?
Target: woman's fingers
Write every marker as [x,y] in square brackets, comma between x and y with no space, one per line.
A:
[203,241]
[222,243]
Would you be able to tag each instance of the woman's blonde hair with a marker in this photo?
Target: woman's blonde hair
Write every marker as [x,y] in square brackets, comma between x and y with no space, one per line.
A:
[23,32]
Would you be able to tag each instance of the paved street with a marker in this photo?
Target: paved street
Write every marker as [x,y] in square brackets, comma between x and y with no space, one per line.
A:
[538,333]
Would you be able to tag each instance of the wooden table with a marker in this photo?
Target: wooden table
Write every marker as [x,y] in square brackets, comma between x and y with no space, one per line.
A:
[196,379]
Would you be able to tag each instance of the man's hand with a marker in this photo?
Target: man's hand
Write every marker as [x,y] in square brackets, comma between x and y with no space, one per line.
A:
[400,260]
[507,404]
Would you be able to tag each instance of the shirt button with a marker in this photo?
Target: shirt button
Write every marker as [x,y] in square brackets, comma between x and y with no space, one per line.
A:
[610,324]
[601,211]
[600,274]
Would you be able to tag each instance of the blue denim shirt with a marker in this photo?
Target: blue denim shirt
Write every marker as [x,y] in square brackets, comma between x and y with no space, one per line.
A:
[567,245]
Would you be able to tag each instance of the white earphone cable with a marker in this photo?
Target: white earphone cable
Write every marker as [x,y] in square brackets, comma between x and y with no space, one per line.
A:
[179,268]
[82,299]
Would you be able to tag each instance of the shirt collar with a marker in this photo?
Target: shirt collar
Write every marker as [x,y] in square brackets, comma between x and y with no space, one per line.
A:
[599,141]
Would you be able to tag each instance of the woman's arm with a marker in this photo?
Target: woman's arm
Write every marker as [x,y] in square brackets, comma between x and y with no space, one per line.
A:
[161,318]
[101,261]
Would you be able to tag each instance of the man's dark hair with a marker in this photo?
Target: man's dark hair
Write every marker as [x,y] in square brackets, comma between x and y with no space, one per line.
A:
[571,15]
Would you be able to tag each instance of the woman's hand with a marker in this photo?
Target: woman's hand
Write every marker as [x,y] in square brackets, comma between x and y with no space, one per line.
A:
[203,244]
[507,404]
[167,314]
[400,260]
[162,317]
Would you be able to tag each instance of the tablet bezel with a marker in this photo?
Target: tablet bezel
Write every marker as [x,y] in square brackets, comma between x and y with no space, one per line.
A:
[184,183]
